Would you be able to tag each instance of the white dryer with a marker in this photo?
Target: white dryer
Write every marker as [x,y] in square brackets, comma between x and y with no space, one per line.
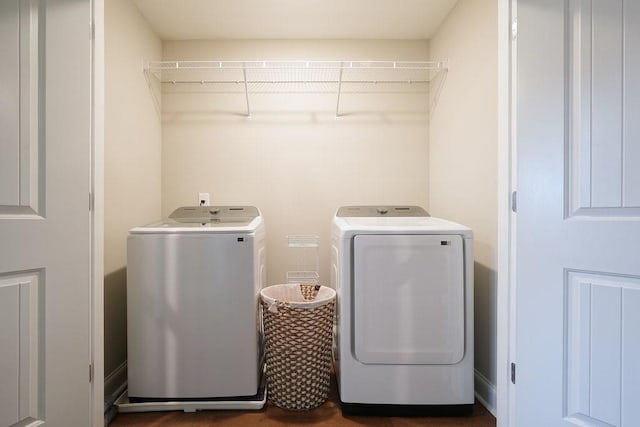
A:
[404,337]
[193,284]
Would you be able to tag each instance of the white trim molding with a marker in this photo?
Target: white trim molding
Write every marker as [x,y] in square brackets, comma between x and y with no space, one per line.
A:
[507,34]
[116,382]
[97,212]
[485,392]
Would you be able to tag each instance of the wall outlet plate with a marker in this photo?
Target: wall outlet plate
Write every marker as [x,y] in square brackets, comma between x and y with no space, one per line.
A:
[203,199]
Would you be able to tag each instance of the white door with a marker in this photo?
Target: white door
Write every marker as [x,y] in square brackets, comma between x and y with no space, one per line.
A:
[578,213]
[45,139]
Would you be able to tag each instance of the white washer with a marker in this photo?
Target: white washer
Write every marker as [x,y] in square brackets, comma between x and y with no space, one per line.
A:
[193,284]
[404,334]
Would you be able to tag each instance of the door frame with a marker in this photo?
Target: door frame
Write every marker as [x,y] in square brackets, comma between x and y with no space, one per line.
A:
[507,180]
[97,213]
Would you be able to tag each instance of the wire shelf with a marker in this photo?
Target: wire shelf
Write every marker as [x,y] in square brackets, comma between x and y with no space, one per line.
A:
[336,77]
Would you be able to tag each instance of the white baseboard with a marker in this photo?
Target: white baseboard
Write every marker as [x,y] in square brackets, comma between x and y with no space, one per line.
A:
[485,392]
[116,382]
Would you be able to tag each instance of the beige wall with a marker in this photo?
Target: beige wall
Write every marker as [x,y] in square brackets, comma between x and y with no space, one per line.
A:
[293,159]
[463,157]
[132,158]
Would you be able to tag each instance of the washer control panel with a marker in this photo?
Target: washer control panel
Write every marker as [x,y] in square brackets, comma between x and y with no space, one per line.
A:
[217,214]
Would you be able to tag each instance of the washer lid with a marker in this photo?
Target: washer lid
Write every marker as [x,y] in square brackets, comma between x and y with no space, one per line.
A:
[381,211]
[206,219]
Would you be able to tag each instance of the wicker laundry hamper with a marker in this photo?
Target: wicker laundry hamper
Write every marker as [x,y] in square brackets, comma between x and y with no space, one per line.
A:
[298,332]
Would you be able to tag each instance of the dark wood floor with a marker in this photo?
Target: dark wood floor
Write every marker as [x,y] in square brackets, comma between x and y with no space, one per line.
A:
[329,414]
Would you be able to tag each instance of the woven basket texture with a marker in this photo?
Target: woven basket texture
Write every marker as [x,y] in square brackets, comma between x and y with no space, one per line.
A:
[298,349]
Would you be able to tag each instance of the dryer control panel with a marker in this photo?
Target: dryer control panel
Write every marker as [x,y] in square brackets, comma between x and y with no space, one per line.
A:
[381,211]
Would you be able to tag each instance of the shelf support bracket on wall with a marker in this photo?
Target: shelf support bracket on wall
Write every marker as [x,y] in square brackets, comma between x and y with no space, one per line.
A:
[437,83]
[339,89]
[246,90]
[154,96]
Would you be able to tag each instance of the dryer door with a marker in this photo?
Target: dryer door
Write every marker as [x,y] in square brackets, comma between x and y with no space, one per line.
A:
[408,299]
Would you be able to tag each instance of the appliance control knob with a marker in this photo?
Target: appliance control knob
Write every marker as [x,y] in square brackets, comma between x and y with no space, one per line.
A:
[214,211]
[382,211]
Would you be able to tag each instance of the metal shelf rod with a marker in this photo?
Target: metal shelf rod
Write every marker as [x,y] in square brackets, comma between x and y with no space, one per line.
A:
[337,81]
[218,67]
[173,65]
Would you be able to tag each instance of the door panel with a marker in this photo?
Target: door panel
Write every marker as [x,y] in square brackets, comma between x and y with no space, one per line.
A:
[601,348]
[578,219]
[19,83]
[20,339]
[9,102]
[604,104]
[9,354]
[44,212]
[409,299]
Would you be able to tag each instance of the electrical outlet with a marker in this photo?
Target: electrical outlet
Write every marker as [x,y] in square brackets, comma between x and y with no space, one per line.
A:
[203,199]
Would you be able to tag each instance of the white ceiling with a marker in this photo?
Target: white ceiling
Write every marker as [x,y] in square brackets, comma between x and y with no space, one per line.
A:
[294,19]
